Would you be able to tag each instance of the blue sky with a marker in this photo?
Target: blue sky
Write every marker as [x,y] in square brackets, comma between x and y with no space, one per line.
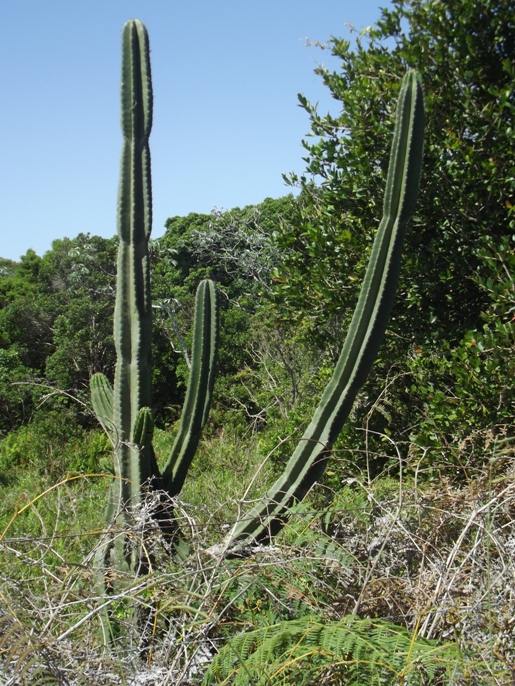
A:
[226,122]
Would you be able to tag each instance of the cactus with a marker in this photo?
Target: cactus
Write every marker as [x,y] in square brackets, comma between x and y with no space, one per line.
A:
[366,329]
[124,411]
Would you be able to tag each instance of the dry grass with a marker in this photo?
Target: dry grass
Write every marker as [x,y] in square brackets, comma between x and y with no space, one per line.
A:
[437,559]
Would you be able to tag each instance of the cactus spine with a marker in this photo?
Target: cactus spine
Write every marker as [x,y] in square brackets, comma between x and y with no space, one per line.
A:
[366,330]
[124,410]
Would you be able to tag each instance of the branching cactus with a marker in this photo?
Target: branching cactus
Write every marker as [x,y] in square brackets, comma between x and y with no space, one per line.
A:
[124,410]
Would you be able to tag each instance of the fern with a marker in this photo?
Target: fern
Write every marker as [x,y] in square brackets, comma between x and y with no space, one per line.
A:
[24,658]
[360,651]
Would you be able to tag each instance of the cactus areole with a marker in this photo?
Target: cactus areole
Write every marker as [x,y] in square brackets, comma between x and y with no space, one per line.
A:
[124,410]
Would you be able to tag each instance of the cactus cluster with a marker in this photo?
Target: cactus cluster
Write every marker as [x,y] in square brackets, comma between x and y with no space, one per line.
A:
[124,410]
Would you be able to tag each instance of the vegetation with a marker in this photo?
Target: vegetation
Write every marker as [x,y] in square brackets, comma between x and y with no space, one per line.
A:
[125,411]
[445,331]
[396,567]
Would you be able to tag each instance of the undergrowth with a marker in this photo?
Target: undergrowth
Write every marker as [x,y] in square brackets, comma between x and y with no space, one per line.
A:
[399,579]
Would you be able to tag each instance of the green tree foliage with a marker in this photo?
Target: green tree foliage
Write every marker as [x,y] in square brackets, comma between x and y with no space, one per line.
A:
[56,310]
[54,322]
[464,223]
[464,51]
[236,249]
[82,339]
[25,317]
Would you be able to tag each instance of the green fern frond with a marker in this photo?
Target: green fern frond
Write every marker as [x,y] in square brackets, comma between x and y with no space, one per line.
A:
[363,651]
[24,657]
[382,409]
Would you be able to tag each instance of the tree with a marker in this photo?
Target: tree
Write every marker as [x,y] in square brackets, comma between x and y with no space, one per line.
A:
[236,249]
[81,277]
[55,314]
[464,50]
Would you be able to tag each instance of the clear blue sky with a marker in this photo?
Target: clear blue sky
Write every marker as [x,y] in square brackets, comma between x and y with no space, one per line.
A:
[226,122]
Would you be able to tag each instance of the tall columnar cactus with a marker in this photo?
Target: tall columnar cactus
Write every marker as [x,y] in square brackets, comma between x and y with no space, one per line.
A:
[124,410]
[366,330]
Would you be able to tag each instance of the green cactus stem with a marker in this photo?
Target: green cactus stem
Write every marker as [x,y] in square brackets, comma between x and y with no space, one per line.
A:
[133,308]
[102,401]
[198,397]
[366,330]
[124,410]
[133,313]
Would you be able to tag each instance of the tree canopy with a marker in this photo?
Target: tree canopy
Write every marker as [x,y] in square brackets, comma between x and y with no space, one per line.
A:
[450,337]
[464,50]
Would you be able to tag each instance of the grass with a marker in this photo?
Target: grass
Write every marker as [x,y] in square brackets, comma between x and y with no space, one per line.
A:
[432,558]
